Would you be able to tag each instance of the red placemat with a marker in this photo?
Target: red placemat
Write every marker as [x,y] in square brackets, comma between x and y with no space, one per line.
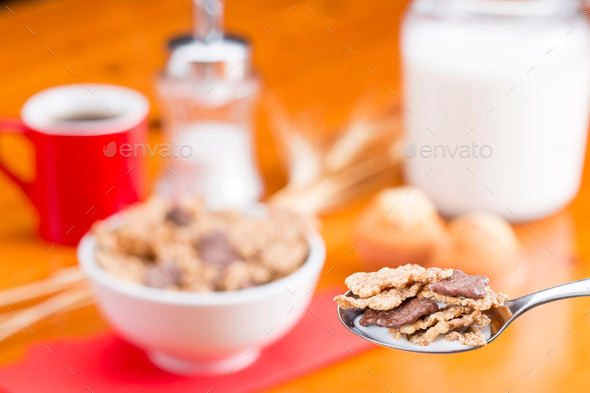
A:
[107,364]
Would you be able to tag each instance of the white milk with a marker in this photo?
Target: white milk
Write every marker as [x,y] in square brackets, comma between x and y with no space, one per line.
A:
[496,106]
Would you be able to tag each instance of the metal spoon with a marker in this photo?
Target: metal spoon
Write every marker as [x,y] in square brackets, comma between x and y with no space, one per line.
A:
[500,319]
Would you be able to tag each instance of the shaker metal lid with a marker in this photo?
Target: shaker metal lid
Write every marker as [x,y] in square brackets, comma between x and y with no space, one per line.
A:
[227,58]
[209,54]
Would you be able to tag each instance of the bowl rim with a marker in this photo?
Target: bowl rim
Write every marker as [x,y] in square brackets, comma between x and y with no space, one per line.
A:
[312,266]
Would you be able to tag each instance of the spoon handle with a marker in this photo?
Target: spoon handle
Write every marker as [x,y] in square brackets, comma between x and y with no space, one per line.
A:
[571,289]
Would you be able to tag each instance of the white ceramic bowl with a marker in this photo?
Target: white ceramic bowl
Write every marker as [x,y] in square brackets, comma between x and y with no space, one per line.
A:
[203,333]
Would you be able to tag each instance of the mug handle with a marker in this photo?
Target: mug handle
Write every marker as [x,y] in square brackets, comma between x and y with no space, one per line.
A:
[15,126]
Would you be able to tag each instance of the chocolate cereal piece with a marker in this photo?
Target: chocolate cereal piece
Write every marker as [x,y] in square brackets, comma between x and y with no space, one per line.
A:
[163,276]
[385,300]
[178,216]
[448,313]
[461,284]
[407,312]
[215,248]
[370,284]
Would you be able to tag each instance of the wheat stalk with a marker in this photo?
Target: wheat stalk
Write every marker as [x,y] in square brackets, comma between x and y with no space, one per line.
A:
[362,150]
[55,283]
[22,319]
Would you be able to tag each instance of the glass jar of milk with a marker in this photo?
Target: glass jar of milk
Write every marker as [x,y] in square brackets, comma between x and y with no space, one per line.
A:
[497,95]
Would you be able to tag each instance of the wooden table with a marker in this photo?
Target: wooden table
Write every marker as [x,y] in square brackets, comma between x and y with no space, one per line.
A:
[325,55]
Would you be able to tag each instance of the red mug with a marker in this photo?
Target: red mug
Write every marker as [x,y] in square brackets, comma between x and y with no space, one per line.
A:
[80,177]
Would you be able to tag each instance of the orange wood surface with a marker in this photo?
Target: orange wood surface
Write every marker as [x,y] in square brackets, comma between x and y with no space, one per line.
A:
[324,55]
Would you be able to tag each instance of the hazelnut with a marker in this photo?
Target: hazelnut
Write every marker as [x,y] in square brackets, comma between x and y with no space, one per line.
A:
[479,243]
[400,225]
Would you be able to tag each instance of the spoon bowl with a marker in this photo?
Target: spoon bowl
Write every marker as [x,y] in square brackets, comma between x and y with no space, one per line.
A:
[500,317]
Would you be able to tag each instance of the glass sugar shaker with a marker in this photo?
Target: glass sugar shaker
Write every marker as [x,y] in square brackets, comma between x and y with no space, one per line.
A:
[208,90]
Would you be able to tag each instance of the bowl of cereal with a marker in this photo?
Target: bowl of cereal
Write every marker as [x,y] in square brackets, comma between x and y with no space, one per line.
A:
[200,291]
